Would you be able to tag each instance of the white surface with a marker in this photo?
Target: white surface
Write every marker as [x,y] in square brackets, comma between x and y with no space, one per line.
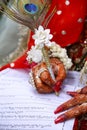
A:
[8,36]
[22,108]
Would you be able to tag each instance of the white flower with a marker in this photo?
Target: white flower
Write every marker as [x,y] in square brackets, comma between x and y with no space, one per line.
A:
[58,51]
[42,36]
[34,55]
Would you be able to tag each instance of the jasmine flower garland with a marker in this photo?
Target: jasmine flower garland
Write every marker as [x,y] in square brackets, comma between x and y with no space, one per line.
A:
[41,37]
[61,53]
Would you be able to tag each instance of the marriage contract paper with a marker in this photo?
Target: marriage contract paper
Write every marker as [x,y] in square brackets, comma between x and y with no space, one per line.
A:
[23,108]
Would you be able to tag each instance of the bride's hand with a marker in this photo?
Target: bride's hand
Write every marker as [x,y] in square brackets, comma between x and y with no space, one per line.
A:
[42,78]
[78,105]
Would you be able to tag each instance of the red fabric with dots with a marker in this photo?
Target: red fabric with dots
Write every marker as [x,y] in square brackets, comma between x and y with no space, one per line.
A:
[68,21]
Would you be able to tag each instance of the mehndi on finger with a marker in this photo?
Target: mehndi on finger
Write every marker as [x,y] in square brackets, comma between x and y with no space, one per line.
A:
[74,112]
[43,80]
[73,94]
[79,99]
[80,91]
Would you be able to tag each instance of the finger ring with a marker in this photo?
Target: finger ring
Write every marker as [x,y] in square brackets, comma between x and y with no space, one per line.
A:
[41,71]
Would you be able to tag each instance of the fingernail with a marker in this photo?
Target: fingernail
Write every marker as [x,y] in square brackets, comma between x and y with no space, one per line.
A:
[60,119]
[72,93]
[59,109]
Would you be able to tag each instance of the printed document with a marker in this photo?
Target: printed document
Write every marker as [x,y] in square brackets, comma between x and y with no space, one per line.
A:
[23,108]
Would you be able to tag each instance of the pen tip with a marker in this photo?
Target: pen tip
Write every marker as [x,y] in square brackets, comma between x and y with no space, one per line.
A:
[57,93]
